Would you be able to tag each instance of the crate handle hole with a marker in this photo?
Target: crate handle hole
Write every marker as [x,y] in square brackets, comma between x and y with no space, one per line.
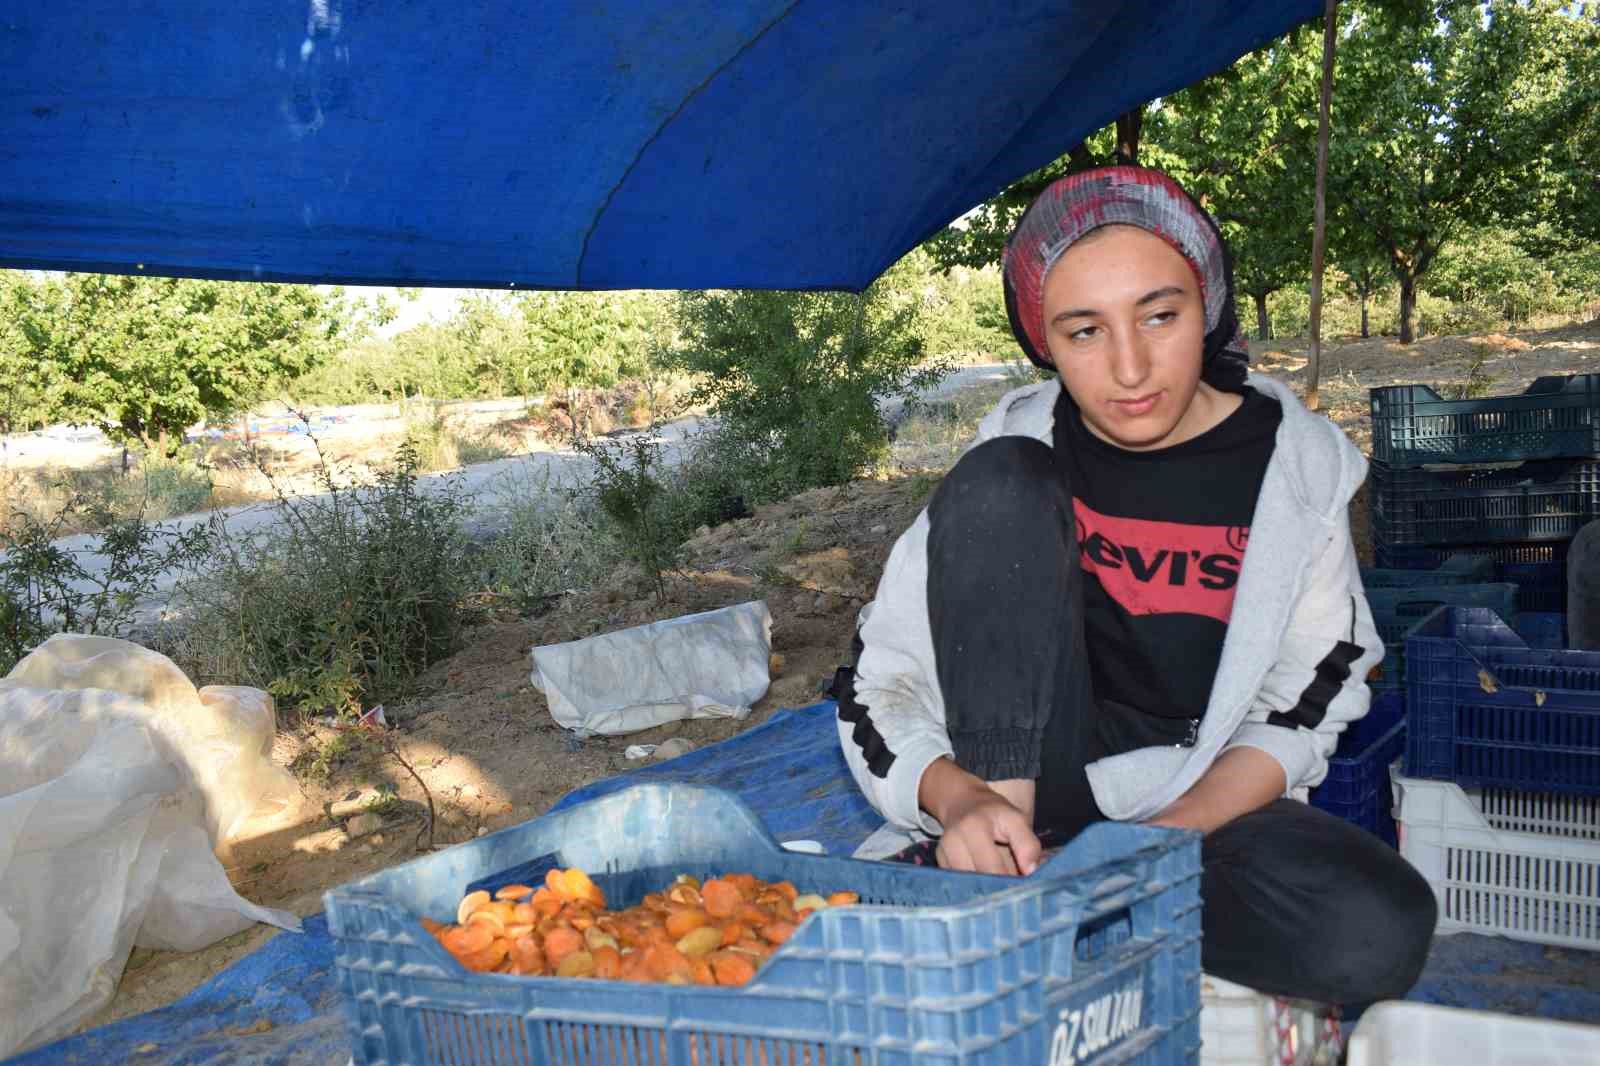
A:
[1102,934]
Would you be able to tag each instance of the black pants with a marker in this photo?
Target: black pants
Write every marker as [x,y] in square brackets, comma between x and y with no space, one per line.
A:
[1296,902]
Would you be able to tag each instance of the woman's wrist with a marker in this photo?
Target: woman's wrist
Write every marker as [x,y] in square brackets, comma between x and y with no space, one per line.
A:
[943,786]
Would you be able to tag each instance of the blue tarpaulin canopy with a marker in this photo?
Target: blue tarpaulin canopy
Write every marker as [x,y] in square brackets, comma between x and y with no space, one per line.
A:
[557,143]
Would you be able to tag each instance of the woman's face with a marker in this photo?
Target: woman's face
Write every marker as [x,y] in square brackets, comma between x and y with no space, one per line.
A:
[1125,325]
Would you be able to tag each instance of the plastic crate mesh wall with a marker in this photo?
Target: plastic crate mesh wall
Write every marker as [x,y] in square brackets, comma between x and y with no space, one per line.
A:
[1548,499]
[1507,862]
[1484,709]
[1539,570]
[1555,417]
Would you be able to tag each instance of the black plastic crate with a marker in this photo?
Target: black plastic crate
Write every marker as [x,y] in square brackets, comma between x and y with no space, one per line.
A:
[1548,499]
[1452,570]
[1556,417]
[1538,570]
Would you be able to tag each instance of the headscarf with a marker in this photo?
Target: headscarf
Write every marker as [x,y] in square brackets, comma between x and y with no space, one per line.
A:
[1131,196]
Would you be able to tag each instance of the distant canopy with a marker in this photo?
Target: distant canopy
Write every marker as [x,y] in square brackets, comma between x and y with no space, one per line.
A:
[557,144]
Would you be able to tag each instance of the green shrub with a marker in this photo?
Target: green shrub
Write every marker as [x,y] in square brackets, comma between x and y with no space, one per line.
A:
[46,588]
[630,489]
[172,486]
[341,603]
[794,379]
[548,543]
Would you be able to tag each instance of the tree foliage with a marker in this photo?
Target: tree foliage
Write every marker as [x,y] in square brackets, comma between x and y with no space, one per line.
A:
[1446,123]
[795,378]
[145,358]
[1243,142]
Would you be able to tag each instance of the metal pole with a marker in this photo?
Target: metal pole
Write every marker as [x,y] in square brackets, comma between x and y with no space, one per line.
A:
[1320,226]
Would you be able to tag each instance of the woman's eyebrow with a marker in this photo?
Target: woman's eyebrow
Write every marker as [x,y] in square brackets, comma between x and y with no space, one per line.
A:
[1159,294]
[1149,297]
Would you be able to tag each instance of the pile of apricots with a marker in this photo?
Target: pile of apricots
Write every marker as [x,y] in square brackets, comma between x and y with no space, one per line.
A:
[716,932]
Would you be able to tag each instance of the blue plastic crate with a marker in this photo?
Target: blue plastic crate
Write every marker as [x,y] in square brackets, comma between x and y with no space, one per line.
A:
[1538,570]
[1452,570]
[1555,417]
[1395,610]
[1094,958]
[1542,629]
[1485,710]
[1357,786]
[1546,499]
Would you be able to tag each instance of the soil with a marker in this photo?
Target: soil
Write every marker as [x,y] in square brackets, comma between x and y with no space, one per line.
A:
[482,739]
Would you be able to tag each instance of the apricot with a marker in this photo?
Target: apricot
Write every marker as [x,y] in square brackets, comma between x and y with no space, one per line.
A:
[721,898]
[469,903]
[681,923]
[732,968]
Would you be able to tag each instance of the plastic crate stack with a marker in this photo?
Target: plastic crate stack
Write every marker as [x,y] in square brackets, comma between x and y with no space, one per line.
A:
[1499,802]
[1506,478]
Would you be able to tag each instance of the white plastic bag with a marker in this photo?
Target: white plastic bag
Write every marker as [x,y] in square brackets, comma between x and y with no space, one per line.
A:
[104,833]
[223,733]
[709,665]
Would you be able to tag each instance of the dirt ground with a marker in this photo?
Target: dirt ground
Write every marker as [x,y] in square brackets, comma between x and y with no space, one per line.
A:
[483,741]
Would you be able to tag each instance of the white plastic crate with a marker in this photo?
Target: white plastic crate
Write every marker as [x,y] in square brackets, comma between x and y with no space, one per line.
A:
[1241,1027]
[1421,1034]
[1516,864]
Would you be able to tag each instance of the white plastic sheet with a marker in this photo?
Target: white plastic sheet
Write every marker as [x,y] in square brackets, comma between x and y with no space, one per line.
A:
[709,665]
[114,774]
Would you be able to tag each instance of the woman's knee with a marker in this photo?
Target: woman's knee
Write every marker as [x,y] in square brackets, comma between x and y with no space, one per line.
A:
[999,483]
[1374,941]
[1301,904]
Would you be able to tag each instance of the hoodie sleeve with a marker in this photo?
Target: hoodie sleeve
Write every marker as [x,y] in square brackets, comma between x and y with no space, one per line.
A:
[894,728]
[1318,685]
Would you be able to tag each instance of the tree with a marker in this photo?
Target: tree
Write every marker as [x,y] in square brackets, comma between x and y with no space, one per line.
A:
[1365,269]
[978,239]
[1244,143]
[145,358]
[575,340]
[795,378]
[1443,123]
[27,384]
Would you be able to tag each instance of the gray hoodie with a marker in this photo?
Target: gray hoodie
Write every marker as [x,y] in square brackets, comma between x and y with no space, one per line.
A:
[1298,598]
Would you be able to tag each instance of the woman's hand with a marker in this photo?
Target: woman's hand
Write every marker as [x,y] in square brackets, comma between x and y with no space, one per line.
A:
[983,830]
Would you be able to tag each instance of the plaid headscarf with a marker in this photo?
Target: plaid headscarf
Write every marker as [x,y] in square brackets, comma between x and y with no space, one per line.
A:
[1130,196]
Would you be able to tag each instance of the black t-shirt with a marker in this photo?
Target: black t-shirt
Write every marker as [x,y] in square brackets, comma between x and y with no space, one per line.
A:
[1161,537]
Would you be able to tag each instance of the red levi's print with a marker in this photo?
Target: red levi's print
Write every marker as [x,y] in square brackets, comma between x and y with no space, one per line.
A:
[1162,567]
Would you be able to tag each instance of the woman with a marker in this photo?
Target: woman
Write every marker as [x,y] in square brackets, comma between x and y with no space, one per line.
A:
[1074,629]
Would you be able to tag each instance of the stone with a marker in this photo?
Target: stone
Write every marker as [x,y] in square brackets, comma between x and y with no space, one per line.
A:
[880,530]
[362,824]
[673,748]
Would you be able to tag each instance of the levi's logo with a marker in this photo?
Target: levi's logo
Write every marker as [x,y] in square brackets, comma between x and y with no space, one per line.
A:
[1162,567]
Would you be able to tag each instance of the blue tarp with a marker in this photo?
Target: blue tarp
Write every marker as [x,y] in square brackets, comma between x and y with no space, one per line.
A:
[280,1004]
[561,143]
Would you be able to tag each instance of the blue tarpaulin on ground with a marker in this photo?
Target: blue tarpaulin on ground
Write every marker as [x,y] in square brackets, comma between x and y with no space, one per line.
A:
[280,1004]
[559,144]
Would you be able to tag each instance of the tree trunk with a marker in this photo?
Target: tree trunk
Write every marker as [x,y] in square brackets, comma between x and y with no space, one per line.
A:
[1128,128]
[1364,333]
[1408,307]
[1263,320]
[1319,225]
